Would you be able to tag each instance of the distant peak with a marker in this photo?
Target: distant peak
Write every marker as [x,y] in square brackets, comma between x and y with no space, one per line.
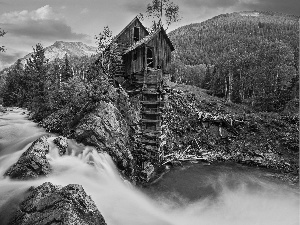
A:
[61,43]
[58,43]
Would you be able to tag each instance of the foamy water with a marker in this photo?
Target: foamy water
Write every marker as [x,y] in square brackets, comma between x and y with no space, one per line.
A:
[121,203]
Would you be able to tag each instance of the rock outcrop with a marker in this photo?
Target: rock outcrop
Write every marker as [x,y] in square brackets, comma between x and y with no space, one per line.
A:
[106,124]
[62,144]
[54,204]
[106,129]
[32,163]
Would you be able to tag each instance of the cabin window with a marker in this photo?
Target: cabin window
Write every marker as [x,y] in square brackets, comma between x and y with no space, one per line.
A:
[136,33]
[134,55]
[149,58]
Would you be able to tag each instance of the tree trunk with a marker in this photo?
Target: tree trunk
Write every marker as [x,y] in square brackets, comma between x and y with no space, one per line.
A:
[226,88]
[230,85]
[241,87]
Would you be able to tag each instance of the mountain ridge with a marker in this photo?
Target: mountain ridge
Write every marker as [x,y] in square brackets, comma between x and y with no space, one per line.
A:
[243,13]
[256,18]
[203,42]
[60,48]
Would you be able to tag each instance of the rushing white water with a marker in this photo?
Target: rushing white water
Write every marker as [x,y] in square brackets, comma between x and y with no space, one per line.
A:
[121,203]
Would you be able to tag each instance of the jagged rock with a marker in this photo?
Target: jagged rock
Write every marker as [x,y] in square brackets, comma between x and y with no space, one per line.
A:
[62,144]
[32,163]
[106,129]
[54,204]
[55,123]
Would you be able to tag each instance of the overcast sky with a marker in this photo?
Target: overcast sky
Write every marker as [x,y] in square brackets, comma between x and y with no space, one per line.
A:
[29,22]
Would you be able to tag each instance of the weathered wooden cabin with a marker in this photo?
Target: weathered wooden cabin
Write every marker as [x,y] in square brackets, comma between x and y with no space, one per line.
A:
[145,62]
[141,51]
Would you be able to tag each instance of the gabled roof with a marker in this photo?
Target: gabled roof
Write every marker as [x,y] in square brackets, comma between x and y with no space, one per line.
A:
[132,21]
[148,38]
[167,38]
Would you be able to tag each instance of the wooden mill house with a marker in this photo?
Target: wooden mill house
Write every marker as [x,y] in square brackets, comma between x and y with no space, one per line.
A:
[145,63]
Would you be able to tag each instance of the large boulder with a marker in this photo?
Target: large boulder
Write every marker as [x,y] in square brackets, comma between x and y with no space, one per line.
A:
[33,162]
[106,129]
[54,204]
[62,143]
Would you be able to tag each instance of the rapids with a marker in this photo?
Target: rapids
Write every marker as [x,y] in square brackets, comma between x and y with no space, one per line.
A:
[208,195]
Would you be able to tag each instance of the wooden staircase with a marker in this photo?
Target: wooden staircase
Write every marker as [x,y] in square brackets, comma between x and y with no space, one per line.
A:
[120,69]
[152,132]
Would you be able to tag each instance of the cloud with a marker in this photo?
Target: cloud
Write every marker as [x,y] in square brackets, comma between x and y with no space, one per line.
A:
[40,24]
[43,13]
[27,28]
[43,30]
[135,6]
[210,3]
[287,6]
[84,11]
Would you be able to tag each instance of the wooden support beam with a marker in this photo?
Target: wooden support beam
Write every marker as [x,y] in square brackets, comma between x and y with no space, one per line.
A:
[150,121]
[153,103]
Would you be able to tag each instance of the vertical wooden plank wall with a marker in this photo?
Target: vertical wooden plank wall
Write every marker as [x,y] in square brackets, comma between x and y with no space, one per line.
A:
[162,51]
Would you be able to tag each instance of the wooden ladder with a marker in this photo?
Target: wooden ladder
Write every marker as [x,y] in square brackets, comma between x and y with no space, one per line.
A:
[152,135]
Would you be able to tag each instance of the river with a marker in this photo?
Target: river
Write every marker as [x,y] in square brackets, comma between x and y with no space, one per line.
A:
[219,194]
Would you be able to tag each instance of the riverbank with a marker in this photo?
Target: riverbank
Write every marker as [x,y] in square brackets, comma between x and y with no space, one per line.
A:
[209,129]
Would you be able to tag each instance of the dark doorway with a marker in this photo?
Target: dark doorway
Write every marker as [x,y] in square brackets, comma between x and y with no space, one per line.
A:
[150,58]
[136,33]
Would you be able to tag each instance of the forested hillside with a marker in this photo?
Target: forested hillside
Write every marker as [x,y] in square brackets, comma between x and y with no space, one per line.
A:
[245,57]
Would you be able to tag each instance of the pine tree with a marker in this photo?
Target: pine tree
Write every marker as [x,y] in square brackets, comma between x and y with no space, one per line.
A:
[108,49]
[2,33]
[36,72]
[13,90]
[66,70]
